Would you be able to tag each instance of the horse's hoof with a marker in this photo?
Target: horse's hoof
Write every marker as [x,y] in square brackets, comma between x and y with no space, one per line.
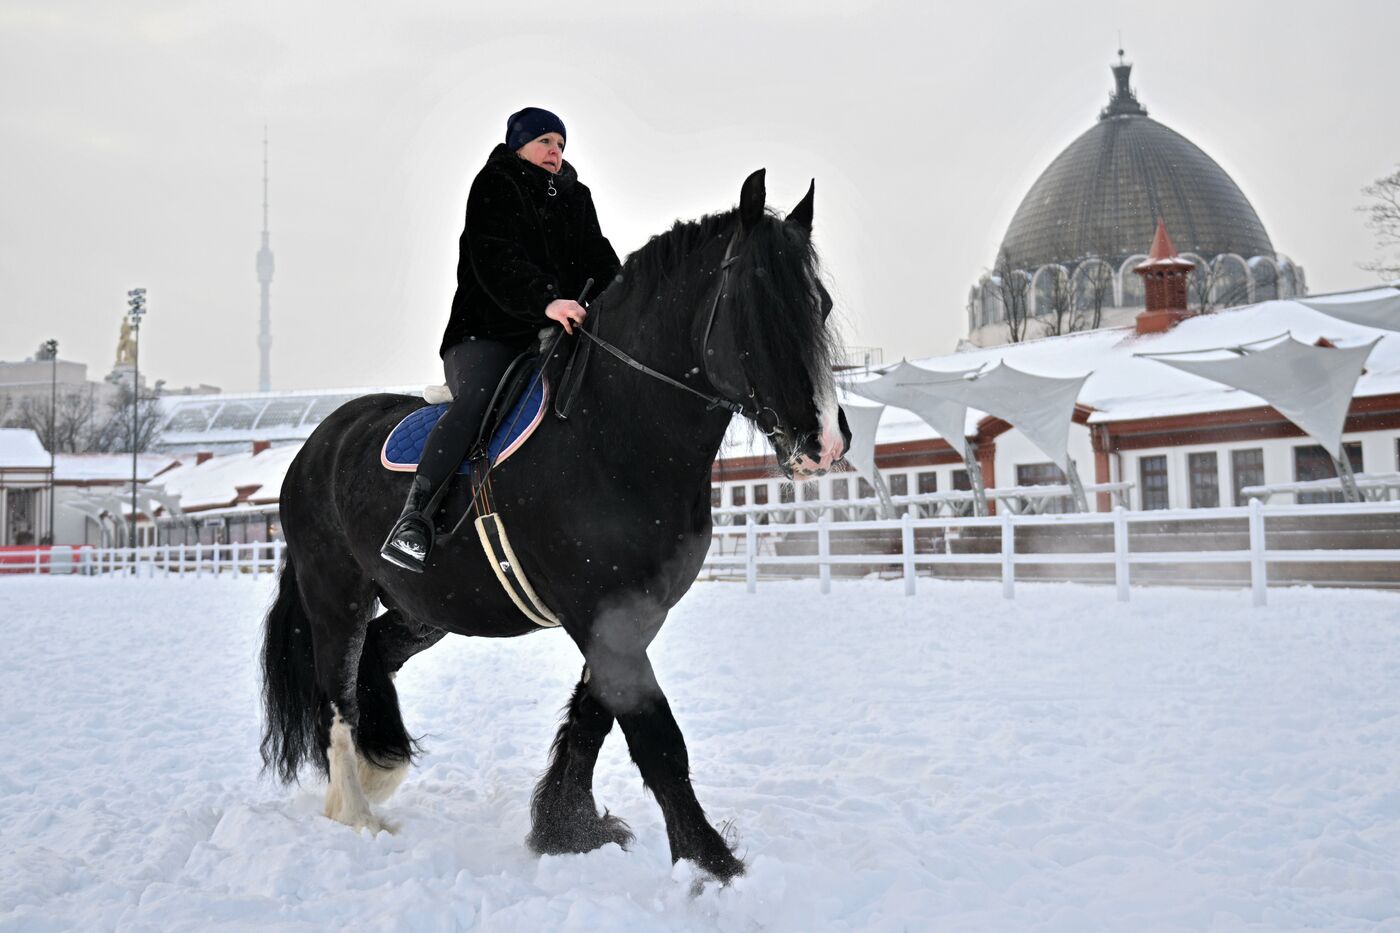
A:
[357,818]
[582,836]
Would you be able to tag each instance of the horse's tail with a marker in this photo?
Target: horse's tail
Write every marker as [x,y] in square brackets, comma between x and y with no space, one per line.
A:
[291,701]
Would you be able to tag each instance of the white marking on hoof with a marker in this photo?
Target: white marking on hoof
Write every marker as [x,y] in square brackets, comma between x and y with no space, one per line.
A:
[345,797]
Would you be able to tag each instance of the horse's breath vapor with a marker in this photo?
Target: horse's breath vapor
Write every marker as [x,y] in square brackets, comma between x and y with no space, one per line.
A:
[730,305]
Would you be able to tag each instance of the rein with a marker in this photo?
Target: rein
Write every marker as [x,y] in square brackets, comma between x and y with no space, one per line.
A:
[753,412]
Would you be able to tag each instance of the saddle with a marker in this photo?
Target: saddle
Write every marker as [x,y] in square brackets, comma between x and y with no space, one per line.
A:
[517,407]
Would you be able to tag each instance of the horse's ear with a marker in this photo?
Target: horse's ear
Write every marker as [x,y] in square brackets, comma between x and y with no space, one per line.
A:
[802,213]
[752,198]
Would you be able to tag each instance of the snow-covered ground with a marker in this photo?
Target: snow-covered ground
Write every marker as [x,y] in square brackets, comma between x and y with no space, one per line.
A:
[951,761]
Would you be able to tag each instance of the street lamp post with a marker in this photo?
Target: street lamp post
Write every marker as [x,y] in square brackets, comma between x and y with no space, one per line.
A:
[136,302]
[51,347]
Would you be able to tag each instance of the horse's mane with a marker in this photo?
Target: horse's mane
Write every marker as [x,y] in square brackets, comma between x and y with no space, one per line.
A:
[777,312]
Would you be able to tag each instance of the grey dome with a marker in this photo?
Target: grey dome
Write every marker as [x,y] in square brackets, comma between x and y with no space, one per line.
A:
[1103,194]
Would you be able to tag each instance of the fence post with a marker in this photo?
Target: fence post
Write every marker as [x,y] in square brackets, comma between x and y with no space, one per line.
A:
[751,556]
[198,560]
[1258,568]
[1008,556]
[906,545]
[824,549]
[276,556]
[1120,551]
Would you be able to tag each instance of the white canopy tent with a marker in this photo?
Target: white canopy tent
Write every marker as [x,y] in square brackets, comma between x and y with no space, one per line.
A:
[1041,407]
[1377,307]
[905,387]
[1309,385]
[946,416]
[864,422]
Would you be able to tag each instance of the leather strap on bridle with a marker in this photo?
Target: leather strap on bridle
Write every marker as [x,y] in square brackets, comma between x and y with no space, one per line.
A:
[754,411]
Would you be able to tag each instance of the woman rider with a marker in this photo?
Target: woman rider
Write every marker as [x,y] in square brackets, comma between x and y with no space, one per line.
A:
[530,243]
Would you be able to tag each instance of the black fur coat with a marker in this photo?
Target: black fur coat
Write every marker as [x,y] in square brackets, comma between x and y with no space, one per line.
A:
[522,247]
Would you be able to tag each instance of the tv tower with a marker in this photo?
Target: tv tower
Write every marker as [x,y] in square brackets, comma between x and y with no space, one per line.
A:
[265,283]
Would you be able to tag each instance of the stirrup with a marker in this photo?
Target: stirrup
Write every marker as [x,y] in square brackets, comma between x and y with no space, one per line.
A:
[402,550]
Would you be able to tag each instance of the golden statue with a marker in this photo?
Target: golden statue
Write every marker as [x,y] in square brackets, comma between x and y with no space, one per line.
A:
[126,345]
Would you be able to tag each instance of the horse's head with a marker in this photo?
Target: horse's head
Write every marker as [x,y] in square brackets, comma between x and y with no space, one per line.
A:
[765,340]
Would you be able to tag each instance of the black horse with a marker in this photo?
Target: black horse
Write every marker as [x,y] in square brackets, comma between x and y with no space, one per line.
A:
[609,513]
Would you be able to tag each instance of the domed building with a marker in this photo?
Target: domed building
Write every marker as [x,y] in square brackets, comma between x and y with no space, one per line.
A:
[1066,261]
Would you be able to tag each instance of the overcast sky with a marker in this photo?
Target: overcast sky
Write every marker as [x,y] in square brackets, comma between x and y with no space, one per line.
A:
[131,140]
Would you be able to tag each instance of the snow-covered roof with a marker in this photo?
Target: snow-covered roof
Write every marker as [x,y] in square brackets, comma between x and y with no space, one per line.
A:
[20,448]
[1123,386]
[216,481]
[109,468]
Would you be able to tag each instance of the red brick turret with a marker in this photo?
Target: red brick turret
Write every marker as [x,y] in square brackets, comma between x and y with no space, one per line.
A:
[1164,277]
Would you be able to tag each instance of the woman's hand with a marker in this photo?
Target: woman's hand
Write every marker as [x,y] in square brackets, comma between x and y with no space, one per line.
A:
[566,312]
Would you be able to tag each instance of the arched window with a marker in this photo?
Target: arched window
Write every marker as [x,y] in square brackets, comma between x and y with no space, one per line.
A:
[1134,295]
[991,307]
[1263,271]
[1287,280]
[1198,283]
[1231,281]
[1043,290]
[1093,286]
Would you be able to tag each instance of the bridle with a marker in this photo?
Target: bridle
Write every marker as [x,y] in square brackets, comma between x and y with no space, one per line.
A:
[751,408]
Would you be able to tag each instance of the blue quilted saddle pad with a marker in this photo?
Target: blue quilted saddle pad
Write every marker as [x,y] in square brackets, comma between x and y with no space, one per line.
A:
[404,445]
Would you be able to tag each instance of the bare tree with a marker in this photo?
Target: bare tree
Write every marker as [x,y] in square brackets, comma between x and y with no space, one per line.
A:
[116,434]
[1013,287]
[1383,216]
[1201,286]
[1062,316]
[75,425]
[1095,288]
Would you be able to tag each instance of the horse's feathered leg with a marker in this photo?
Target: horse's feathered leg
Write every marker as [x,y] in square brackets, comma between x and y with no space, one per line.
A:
[623,682]
[564,816]
[339,610]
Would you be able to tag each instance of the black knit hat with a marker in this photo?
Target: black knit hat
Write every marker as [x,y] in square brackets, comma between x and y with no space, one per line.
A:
[529,124]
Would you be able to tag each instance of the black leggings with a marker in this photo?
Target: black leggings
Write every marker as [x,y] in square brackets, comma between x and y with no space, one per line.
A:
[473,367]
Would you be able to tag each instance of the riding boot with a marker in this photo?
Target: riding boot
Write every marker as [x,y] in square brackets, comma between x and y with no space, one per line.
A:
[409,544]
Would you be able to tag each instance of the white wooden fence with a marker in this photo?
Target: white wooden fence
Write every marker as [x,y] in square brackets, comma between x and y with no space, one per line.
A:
[752,556]
[759,548]
[197,560]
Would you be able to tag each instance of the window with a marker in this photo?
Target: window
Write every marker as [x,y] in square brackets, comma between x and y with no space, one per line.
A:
[961,481]
[760,494]
[841,488]
[283,411]
[1045,474]
[1205,480]
[1312,462]
[1246,469]
[1152,482]
[738,495]
[787,492]
[864,490]
[899,483]
[237,416]
[714,497]
[928,482]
